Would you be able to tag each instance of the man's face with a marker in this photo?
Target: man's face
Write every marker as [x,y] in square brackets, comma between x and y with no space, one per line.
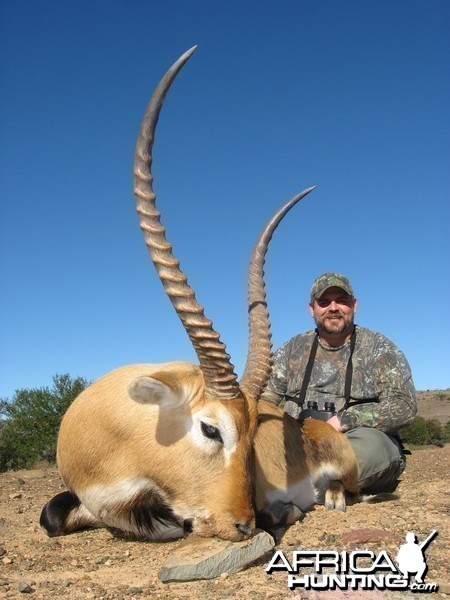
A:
[334,311]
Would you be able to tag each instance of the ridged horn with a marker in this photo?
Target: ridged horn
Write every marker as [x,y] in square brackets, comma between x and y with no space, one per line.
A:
[218,372]
[259,358]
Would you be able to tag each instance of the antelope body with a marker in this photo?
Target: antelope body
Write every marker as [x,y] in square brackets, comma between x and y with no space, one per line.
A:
[159,450]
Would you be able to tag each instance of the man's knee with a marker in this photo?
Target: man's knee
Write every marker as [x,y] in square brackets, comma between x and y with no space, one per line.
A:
[380,459]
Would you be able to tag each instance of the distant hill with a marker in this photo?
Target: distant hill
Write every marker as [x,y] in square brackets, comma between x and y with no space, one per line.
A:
[434,404]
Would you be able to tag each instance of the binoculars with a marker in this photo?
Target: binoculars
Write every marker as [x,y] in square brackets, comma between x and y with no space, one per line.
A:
[312,411]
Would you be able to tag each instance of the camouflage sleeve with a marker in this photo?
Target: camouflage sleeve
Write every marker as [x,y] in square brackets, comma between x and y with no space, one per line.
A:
[396,404]
[277,384]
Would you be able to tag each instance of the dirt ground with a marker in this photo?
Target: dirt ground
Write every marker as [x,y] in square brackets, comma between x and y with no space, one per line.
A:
[94,564]
[434,404]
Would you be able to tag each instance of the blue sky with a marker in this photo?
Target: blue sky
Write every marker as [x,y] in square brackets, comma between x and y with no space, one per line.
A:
[349,96]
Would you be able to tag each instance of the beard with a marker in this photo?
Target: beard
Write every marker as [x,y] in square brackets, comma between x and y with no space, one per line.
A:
[334,323]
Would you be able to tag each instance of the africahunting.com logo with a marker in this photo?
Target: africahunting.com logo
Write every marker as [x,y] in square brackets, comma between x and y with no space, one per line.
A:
[358,569]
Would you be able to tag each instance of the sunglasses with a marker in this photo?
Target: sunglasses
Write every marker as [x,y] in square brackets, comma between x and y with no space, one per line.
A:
[324,302]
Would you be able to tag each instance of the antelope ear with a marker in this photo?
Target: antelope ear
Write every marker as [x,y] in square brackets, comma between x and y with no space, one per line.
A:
[150,390]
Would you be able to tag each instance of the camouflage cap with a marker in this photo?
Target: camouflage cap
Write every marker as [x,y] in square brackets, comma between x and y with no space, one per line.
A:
[327,280]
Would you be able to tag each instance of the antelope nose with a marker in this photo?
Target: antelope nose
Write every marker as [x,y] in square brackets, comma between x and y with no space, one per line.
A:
[245,528]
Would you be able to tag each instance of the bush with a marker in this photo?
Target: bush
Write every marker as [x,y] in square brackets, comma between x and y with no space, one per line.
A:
[424,431]
[447,431]
[30,430]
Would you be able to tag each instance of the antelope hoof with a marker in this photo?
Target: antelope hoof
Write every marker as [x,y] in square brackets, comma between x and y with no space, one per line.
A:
[279,514]
[335,496]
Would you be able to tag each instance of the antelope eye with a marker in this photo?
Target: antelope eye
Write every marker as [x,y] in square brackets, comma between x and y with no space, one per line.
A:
[211,432]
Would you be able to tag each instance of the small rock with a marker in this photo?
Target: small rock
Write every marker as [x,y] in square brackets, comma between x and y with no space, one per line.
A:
[7,561]
[385,523]
[24,587]
[15,496]
[2,551]
[30,474]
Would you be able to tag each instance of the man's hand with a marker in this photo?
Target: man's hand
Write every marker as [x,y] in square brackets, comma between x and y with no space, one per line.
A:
[334,422]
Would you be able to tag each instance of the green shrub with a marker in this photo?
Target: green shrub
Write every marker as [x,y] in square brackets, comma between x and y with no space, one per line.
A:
[30,429]
[424,431]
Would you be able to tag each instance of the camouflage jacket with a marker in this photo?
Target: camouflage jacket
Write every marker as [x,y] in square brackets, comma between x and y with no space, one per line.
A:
[382,392]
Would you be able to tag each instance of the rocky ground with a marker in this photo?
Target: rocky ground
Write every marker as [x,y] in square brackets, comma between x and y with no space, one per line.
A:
[94,564]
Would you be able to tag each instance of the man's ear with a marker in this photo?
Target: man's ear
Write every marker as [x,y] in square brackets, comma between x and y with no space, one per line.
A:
[355,304]
[311,308]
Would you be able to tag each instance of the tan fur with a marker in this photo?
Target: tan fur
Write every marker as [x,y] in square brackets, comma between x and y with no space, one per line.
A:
[106,437]
[108,432]
[287,454]
[324,444]
[116,450]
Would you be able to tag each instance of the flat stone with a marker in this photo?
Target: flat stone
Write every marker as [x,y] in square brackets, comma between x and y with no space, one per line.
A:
[206,558]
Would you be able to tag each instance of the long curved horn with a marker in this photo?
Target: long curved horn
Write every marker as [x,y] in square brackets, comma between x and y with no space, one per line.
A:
[218,372]
[259,358]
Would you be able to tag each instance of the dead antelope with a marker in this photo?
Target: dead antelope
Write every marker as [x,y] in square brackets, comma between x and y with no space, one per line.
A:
[159,450]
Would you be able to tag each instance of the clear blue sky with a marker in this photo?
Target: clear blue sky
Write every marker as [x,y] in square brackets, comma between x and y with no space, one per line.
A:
[349,96]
